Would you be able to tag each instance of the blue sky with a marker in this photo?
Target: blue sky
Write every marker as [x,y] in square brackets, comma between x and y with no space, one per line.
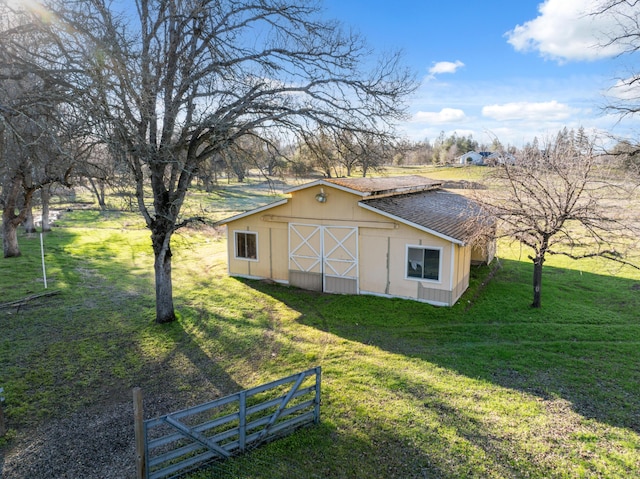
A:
[507,69]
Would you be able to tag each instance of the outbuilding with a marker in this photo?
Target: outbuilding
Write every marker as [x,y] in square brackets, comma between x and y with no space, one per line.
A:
[400,237]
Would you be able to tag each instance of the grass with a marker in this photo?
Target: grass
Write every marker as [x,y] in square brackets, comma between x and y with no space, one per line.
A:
[454,173]
[489,388]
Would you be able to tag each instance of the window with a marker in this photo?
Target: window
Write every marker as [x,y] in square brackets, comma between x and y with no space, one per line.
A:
[246,245]
[423,263]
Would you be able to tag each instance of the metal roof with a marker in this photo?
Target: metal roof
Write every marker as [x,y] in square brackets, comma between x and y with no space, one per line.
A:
[375,186]
[386,185]
[440,212]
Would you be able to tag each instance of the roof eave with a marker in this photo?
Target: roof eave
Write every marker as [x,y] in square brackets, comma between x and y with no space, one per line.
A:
[252,212]
[328,185]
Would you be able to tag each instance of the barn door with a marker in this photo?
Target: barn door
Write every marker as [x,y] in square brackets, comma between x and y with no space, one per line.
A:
[340,259]
[323,258]
[305,256]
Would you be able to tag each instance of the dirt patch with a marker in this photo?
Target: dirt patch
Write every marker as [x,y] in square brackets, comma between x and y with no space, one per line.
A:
[96,444]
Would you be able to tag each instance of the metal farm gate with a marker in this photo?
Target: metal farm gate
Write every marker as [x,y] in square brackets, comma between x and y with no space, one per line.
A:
[181,441]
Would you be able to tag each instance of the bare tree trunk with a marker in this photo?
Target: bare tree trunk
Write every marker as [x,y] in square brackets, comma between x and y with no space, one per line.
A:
[45,194]
[9,235]
[98,191]
[29,226]
[537,281]
[538,261]
[11,220]
[165,312]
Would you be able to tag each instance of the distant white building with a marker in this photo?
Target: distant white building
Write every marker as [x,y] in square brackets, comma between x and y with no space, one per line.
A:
[471,158]
[484,158]
[474,158]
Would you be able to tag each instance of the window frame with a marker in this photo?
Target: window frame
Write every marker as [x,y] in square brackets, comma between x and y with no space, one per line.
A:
[235,244]
[439,249]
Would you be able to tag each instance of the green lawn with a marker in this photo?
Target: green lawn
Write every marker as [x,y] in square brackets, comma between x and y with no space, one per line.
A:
[489,388]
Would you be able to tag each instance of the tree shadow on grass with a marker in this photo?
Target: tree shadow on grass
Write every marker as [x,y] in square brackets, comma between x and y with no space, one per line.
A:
[70,362]
[325,451]
[582,346]
[96,340]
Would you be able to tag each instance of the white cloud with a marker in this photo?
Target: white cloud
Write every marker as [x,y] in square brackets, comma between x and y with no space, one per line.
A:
[445,67]
[566,31]
[626,90]
[446,115]
[541,111]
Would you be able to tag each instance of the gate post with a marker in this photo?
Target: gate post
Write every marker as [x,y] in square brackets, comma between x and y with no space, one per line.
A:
[141,457]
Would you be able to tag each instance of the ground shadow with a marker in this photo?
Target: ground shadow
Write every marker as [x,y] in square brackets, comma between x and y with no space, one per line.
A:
[583,345]
[70,362]
[333,453]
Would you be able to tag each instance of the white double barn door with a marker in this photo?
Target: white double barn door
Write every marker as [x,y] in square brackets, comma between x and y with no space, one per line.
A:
[329,251]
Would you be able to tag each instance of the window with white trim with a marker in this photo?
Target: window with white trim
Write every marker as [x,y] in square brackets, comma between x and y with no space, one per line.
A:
[423,263]
[246,245]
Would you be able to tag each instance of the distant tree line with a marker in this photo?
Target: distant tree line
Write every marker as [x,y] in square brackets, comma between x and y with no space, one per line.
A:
[337,154]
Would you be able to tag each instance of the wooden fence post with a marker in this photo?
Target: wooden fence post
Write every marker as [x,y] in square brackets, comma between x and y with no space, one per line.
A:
[3,428]
[141,457]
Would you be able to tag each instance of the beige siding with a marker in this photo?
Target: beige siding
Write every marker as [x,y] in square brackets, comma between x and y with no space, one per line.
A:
[436,296]
[341,285]
[341,209]
[461,279]
[382,249]
[383,264]
[374,258]
[459,289]
[306,280]
[484,255]
[272,250]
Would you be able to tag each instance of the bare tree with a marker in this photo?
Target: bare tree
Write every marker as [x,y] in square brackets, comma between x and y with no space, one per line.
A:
[318,150]
[624,95]
[26,169]
[33,133]
[373,153]
[628,155]
[359,150]
[249,151]
[624,37]
[32,159]
[265,155]
[408,152]
[104,171]
[562,200]
[178,82]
